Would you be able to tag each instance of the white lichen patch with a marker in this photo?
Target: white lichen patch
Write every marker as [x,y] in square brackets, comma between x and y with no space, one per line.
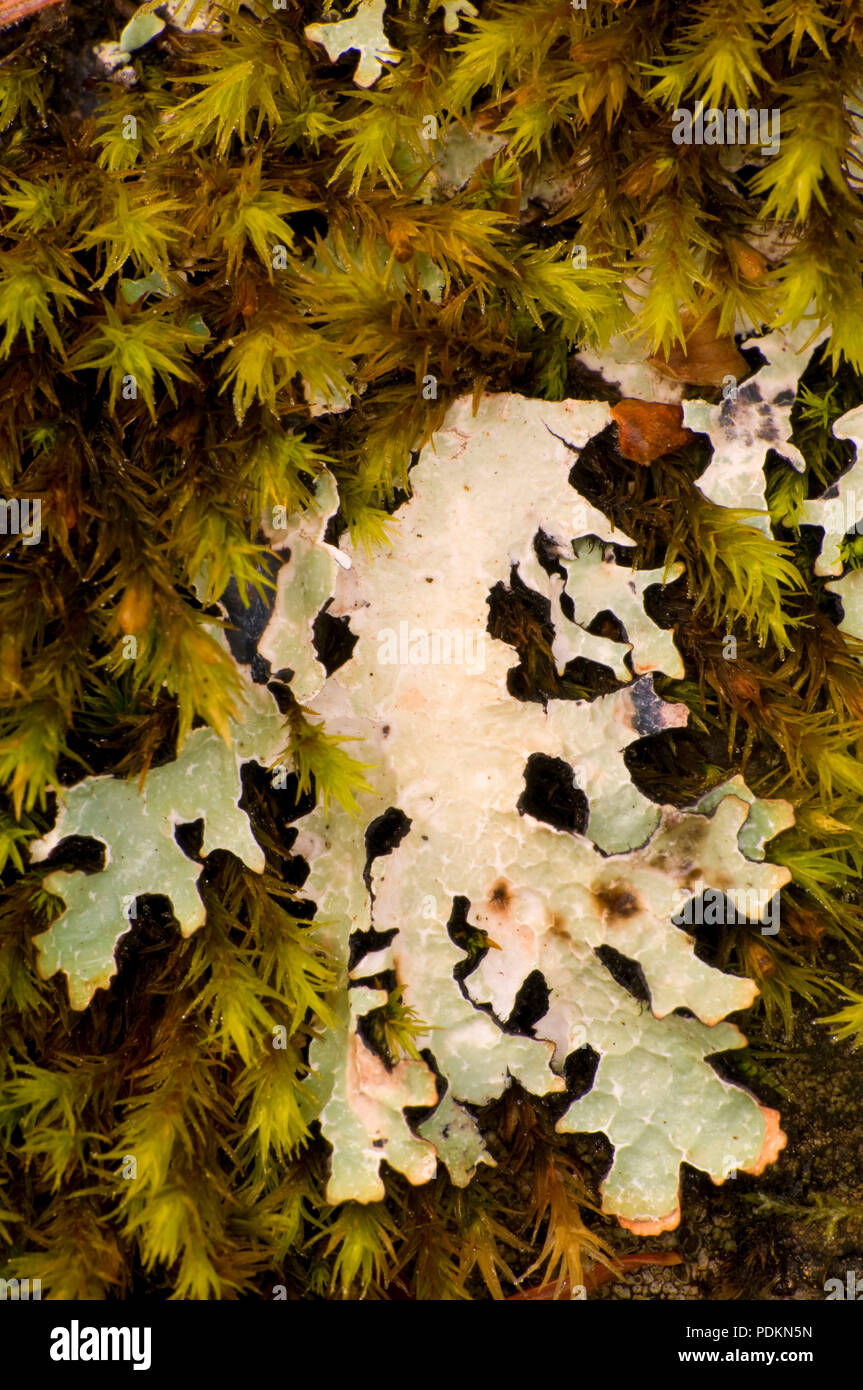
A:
[451,746]
[454,1133]
[425,696]
[136,828]
[658,1102]
[624,364]
[364,1104]
[461,152]
[850,590]
[594,582]
[752,419]
[454,11]
[840,512]
[363,31]
[765,819]
[304,585]
[841,507]
[624,901]
[197,16]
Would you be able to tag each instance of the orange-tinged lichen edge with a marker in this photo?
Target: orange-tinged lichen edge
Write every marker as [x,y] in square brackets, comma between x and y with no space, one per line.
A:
[774,1142]
[656,1227]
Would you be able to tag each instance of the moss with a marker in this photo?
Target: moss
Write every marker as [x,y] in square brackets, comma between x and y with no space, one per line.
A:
[197,272]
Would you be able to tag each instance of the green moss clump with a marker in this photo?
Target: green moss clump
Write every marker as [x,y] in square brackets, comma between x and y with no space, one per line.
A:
[199,266]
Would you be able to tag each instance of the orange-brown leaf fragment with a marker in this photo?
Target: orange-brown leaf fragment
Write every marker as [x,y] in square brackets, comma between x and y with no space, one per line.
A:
[135,607]
[11,11]
[649,429]
[705,359]
[750,263]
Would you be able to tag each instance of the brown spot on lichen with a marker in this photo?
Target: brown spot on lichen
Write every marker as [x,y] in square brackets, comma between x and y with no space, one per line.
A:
[617,900]
[500,896]
[683,840]
[557,926]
